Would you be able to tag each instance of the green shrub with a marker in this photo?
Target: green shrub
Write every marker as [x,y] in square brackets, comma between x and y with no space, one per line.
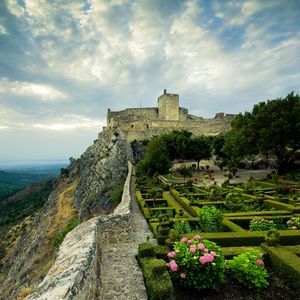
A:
[261,224]
[294,223]
[273,237]
[116,194]
[60,235]
[197,263]
[157,280]
[249,269]
[210,218]
[146,250]
[234,201]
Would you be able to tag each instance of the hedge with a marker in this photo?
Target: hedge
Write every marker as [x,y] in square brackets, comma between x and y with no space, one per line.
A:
[249,238]
[278,205]
[185,203]
[157,279]
[286,264]
[230,226]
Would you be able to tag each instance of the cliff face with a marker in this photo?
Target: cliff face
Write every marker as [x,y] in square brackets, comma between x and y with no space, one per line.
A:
[83,190]
[102,167]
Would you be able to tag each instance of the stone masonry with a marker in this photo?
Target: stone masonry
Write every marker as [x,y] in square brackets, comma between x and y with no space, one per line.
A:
[143,123]
[97,259]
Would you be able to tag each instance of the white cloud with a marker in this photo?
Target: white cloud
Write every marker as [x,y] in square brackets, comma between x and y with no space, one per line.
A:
[15,8]
[71,122]
[39,91]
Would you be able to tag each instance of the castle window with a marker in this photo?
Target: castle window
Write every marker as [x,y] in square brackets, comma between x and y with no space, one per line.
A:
[146,126]
[132,126]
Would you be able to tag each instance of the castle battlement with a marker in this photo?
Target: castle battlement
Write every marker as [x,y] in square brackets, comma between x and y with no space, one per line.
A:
[142,123]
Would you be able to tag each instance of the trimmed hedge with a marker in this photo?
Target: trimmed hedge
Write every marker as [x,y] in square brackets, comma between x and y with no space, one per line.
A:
[287,265]
[249,238]
[171,202]
[185,203]
[230,226]
[278,205]
[258,213]
[230,252]
[156,276]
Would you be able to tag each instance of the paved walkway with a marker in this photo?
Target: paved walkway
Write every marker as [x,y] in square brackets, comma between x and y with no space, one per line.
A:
[121,275]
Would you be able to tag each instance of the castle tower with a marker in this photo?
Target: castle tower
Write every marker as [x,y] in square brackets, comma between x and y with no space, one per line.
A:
[168,106]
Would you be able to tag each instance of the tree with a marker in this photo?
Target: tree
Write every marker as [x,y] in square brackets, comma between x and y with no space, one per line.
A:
[156,158]
[273,128]
[199,148]
[185,171]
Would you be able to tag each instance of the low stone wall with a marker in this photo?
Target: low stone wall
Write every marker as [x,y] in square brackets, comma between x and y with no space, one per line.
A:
[76,271]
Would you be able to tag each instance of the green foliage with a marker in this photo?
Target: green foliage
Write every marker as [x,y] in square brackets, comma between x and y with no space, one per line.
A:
[261,224]
[146,250]
[294,223]
[234,201]
[157,280]
[199,148]
[249,269]
[185,171]
[156,159]
[197,263]
[182,227]
[273,128]
[116,194]
[272,238]
[29,200]
[60,235]
[210,218]
[155,192]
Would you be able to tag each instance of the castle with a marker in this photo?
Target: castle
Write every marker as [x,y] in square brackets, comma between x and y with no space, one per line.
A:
[143,123]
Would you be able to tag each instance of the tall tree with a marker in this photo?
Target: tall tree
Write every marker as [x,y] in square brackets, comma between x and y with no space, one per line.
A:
[199,148]
[273,128]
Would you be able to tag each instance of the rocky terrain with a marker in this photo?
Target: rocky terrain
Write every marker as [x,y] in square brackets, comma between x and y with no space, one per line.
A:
[81,191]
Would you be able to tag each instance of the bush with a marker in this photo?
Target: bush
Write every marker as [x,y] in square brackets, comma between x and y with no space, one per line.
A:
[294,223]
[272,238]
[249,269]
[210,218]
[116,194]
[60,235]
[234,201]
[197,263]
[261,224]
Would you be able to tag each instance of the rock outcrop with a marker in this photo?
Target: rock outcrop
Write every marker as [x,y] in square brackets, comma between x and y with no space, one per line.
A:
[102,167]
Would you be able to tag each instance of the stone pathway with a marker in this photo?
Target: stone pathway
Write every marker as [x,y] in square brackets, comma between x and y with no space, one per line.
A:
[121,276]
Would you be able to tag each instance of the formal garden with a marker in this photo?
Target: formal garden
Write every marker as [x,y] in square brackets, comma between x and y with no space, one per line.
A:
[234,240]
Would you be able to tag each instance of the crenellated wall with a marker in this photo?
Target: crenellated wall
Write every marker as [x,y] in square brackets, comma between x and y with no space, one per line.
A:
[77,268]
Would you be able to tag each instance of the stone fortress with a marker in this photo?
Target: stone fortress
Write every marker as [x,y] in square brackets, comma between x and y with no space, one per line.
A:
[143,123]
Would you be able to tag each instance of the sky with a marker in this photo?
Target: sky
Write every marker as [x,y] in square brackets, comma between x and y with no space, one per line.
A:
[64,63]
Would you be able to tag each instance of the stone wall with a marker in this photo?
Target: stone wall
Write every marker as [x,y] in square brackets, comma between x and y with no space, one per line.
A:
[76,271]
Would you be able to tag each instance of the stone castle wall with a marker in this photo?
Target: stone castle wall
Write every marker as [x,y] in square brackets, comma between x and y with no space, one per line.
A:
[143,123]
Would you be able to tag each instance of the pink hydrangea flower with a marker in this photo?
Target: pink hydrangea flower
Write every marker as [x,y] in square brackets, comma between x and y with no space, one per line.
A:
[205,250]
[201,246]
[289,222]
[184,240]
[259,262]
[197,237]
[182,275]
[213,253]
[294,227]
[173,266]
[190,241]
[171,254]
[206,258]
[192,248]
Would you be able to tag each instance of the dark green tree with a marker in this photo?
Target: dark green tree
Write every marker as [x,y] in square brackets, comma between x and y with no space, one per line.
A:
[199,148]
[273,128]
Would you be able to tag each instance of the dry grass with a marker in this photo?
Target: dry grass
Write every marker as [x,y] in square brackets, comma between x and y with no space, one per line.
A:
[24,293]
[65,210]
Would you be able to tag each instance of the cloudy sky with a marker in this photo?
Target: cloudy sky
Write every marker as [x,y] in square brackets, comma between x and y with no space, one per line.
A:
[64,63]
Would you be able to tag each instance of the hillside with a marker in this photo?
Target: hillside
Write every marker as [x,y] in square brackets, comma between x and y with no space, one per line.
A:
[83,190]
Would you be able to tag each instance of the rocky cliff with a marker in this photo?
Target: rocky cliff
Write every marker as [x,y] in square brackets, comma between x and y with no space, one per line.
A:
[81,191]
